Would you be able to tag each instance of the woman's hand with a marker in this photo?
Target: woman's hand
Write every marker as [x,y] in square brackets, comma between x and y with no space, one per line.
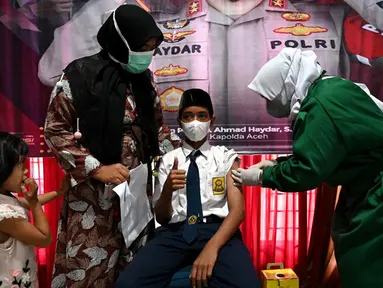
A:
[31,195]
[115,174]
[247,177]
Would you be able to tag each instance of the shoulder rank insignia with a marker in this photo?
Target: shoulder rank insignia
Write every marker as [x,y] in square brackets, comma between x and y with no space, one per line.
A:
[281,4]
[194,7]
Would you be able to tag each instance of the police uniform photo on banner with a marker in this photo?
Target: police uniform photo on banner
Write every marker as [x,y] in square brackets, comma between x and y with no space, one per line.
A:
[232,40]
[215,45]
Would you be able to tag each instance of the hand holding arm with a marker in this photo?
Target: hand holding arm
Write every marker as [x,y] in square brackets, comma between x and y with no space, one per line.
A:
[247,177]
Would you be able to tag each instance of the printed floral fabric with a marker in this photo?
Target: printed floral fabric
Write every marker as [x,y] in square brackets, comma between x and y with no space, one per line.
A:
[90,245]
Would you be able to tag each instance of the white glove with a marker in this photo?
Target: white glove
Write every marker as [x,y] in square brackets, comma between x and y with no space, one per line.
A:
[265,163]
[249,177]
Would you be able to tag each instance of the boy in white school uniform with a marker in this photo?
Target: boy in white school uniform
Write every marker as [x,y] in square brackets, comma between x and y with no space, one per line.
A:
[200,211]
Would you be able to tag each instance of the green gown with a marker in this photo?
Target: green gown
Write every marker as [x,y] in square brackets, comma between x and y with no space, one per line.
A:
[338,139]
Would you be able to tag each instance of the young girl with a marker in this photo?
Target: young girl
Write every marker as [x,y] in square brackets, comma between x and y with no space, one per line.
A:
[17,236]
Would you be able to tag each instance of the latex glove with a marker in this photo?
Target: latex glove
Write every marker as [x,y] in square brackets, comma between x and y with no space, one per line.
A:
[265,163]
[247,177]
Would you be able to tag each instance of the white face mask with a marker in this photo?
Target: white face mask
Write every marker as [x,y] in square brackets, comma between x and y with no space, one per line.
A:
[195,130]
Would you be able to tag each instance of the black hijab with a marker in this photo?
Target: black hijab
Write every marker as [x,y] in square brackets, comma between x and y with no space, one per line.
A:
[99,85]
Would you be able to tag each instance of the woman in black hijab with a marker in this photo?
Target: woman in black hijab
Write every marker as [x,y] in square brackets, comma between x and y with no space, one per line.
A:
[104,119]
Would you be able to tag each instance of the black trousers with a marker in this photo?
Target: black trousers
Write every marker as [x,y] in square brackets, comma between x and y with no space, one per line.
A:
[156,263]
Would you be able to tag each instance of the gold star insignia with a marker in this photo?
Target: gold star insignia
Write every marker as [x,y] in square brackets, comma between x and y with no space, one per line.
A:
[194,7]
[278,3]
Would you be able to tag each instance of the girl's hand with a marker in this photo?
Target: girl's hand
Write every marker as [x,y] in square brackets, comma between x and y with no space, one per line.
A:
[65,186]
[31,195]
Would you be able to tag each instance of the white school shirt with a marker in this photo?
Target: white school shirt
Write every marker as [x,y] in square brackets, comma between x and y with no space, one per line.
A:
[213,165]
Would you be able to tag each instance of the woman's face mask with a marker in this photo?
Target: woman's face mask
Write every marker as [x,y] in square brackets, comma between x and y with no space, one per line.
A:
[138,61]
[277,109]
[195,130]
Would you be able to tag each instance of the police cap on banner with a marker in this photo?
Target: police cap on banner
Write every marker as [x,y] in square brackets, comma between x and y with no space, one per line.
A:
[195,97]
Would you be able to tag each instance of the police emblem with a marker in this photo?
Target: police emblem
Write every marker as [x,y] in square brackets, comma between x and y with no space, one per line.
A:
[170,99]
[171,70]
[300,30]
[278,4]
[296,16]
[192,220]
[177,36]
[176,24]
[218,184]
[194,7]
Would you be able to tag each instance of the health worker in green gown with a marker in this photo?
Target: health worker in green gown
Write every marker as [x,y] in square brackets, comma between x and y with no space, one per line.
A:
[337,139]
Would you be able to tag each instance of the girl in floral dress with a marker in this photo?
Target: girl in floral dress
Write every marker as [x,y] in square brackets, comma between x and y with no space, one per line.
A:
[18,236]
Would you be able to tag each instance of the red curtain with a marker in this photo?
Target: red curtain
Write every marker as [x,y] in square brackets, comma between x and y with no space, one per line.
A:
[321,252]
[276,228]
[277,225]
[48,175]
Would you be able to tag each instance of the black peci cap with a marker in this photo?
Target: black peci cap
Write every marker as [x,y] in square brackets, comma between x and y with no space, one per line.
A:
[195,97]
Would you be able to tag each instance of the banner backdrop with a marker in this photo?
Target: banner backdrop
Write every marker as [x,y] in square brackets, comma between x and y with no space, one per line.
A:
[216,45]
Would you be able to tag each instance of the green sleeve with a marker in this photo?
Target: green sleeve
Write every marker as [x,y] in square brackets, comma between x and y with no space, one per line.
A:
[283,158]
[317,151]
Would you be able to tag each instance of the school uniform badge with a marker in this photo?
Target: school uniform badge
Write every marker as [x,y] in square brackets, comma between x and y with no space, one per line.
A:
[192,220]
[218,184]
